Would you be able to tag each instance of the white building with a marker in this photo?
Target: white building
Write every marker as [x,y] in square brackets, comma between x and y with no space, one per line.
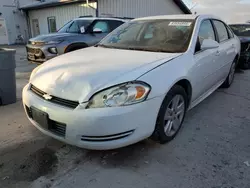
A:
[141,8]
[28,18]
[13,27]
[50,15]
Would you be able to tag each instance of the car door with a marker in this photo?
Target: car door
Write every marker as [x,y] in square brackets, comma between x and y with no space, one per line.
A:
[206,61]
[226,49]
[233,44]
[95,37]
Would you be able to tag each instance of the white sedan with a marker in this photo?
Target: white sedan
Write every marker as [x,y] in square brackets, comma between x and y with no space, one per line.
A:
[137,83]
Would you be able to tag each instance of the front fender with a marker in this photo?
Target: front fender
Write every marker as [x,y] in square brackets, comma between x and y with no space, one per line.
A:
[164,77]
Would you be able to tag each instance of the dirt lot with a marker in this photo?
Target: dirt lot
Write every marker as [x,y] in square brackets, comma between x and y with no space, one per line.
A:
[211,151]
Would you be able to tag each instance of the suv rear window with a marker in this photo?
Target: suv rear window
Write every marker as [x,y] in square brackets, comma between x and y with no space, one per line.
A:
[114,24]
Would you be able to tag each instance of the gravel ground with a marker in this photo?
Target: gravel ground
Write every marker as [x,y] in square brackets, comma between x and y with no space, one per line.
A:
[212,150]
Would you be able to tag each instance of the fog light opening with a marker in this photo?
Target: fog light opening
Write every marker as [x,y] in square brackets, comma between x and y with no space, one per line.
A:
[52,50]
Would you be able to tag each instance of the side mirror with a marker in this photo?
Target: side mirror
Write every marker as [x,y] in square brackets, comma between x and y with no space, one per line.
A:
[209,44]
[97,30]
[82,29]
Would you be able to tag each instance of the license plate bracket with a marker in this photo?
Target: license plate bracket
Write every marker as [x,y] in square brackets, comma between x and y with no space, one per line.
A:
[40,117]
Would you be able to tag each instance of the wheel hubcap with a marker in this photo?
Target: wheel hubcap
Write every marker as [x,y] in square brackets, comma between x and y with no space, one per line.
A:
[231,74]
[174,115]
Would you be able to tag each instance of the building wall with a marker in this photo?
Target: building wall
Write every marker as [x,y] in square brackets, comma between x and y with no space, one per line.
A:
[63,14]
[15,21]
[137,8]
[27,2]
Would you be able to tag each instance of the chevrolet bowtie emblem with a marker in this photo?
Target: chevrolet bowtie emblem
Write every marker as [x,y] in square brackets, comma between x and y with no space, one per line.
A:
[47,97]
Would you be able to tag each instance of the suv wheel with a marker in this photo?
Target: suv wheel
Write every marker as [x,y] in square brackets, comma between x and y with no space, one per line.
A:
[74,47]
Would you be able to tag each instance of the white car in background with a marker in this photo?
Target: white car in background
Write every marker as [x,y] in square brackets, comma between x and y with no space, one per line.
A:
[137,83]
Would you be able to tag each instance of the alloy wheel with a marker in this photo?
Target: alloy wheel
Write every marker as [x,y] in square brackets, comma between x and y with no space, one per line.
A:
[174,115]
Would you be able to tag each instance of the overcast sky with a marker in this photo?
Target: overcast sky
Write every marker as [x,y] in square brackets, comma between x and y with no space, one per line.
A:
[232,11]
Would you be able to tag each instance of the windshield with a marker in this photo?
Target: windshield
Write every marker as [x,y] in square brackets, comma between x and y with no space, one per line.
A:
[241,30]
[152,35]
[74,26]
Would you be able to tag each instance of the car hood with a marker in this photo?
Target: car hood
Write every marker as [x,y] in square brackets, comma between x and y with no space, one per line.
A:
[52,37]
[78,75]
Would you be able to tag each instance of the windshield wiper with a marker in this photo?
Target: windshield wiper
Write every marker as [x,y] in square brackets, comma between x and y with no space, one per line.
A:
[134,48]
[150,50]
[104,46]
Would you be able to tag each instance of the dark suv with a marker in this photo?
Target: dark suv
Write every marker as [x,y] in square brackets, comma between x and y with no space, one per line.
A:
[76,34]
[243,32]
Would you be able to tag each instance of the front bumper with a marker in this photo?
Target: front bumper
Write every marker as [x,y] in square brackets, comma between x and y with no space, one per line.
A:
[39,54]
[100,128]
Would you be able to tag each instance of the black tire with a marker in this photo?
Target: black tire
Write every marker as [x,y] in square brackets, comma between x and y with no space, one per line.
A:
[74,47]
[159,132]
[245,65]
[229,80]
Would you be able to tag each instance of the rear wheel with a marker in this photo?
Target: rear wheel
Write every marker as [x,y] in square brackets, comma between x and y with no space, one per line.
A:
[230,78]
[171,115]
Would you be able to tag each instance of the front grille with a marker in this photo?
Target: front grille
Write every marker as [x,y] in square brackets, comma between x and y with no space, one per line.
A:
[37,91]
[34,50]
[107,137]
[245,47]
[29,113]
[53,126]
[56,100]
[57,128]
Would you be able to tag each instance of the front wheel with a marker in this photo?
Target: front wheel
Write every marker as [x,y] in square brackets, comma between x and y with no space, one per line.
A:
[74,47]
[230,78]
[171,115]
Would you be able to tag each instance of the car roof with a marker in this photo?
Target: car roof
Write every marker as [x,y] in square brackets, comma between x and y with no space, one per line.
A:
[99,18]
[241,24]
[167,17]
[179,16]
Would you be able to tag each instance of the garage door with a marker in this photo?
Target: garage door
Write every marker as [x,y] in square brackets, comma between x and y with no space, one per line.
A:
[3,32]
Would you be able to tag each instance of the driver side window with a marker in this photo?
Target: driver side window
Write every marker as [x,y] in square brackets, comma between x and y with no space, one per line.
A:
[149,34]
[206,32]
[103,25]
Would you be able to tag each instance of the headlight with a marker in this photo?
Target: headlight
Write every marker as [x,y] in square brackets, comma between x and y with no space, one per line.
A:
[121,95]
[54,42]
